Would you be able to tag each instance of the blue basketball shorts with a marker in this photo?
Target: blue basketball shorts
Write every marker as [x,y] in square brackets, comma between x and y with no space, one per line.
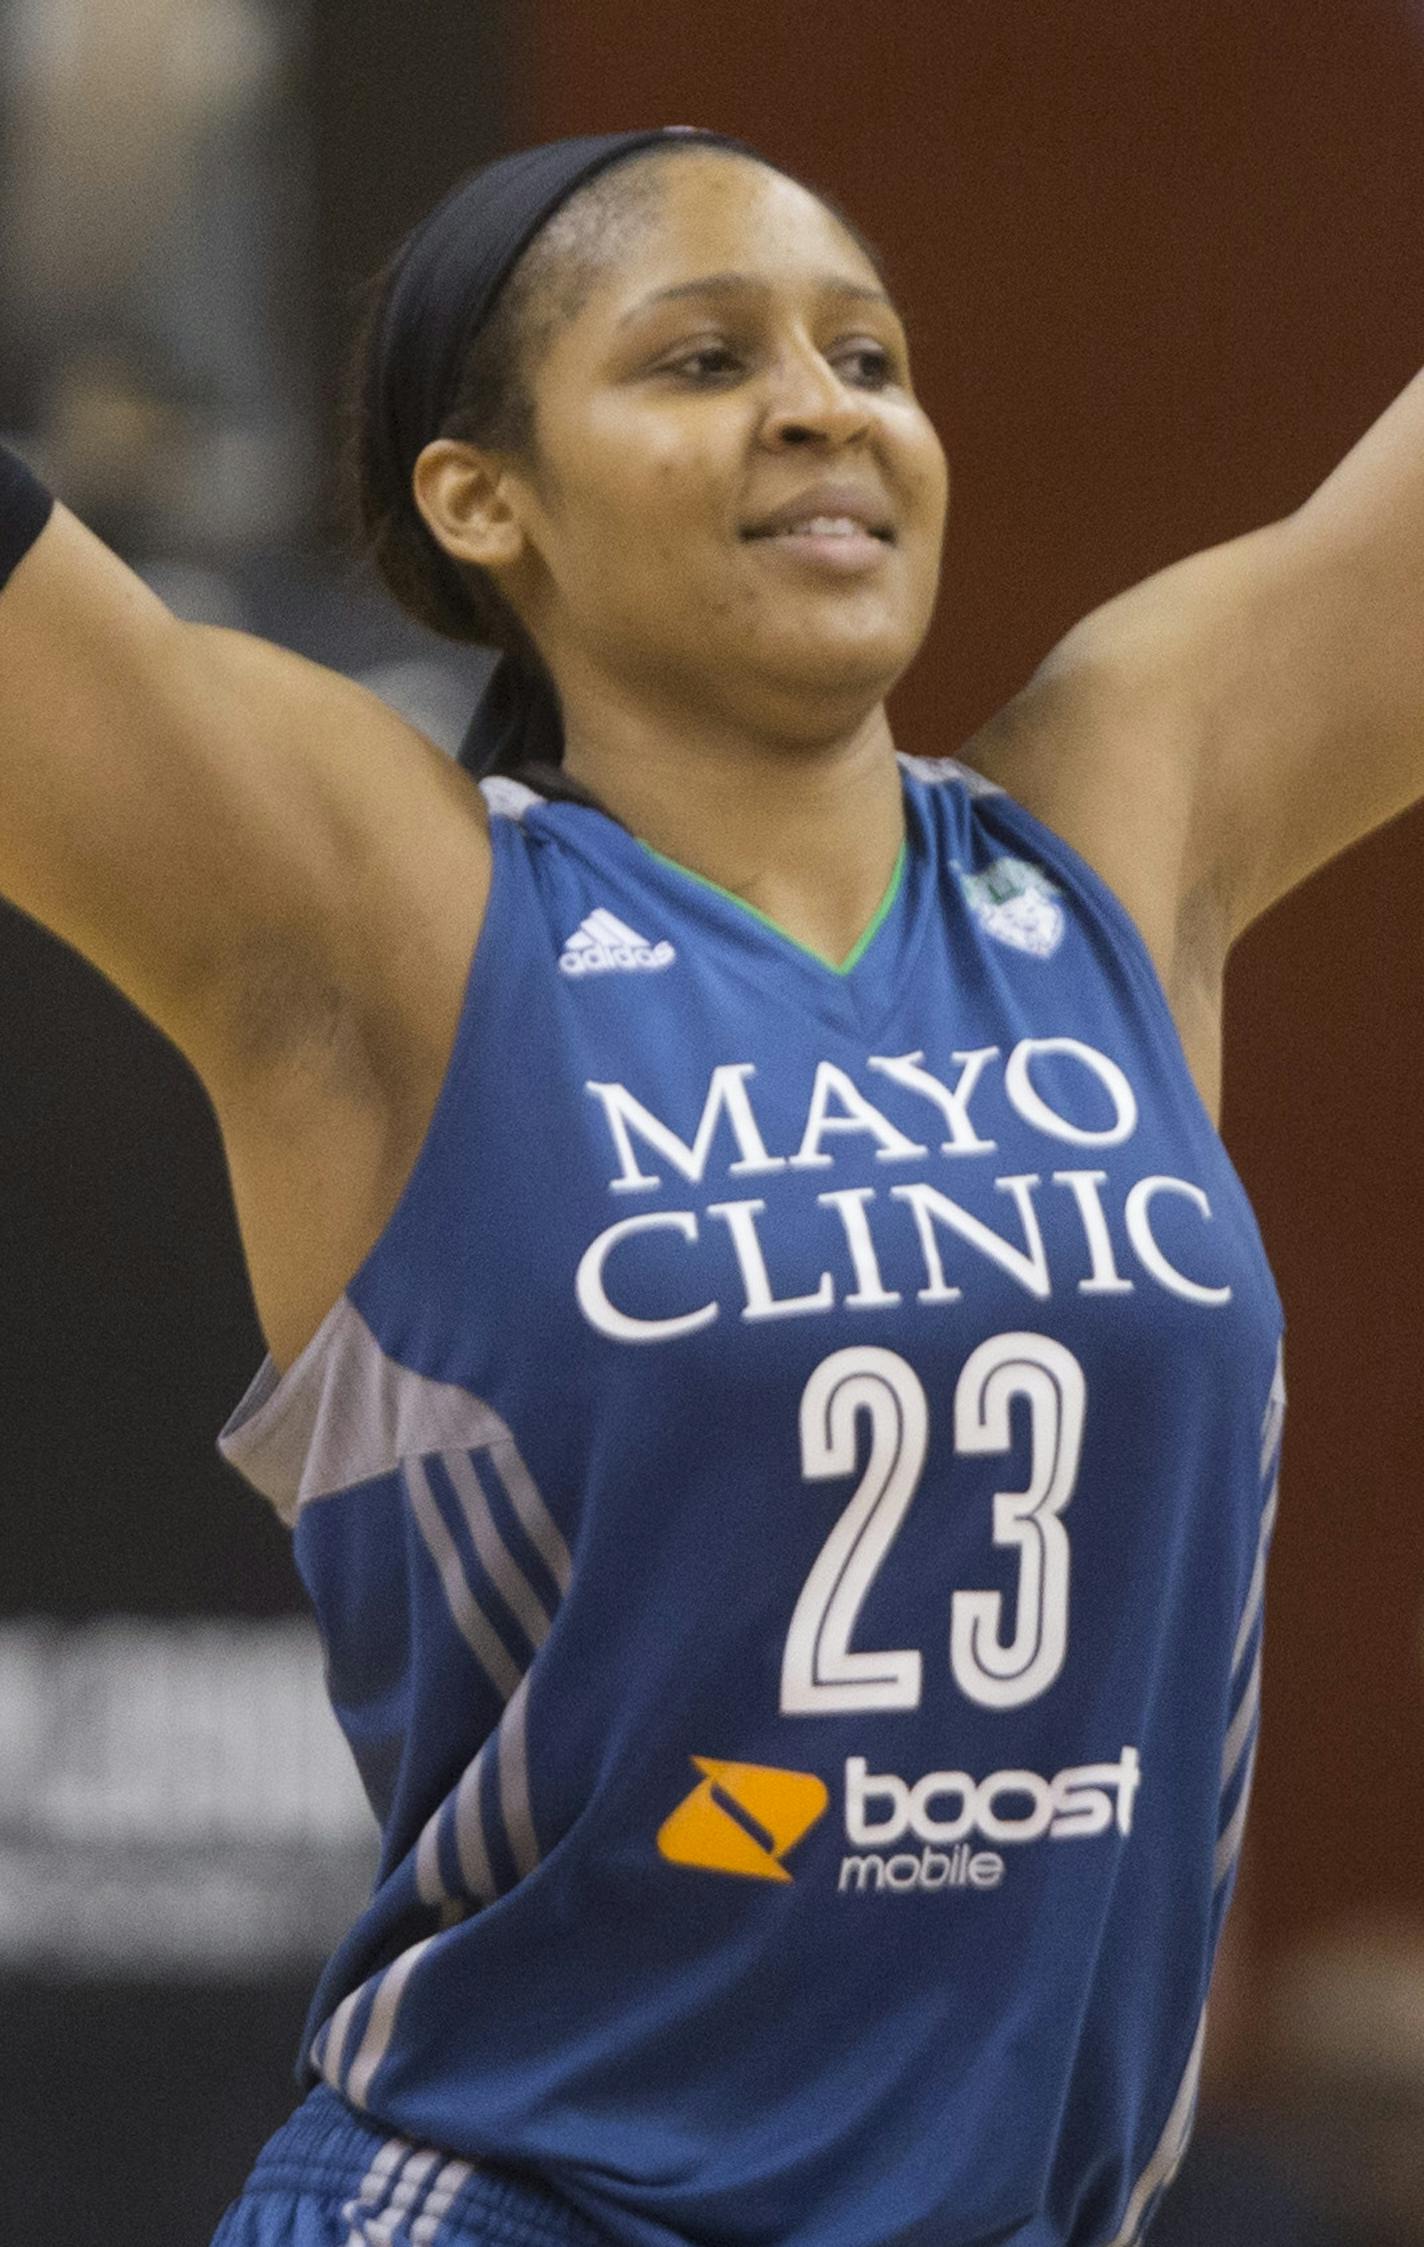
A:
[329,2178]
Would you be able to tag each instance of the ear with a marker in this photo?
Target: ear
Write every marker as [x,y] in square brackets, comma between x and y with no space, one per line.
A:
[466,500]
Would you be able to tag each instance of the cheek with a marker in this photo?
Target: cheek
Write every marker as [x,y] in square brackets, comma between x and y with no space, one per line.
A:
[669,557]
[929,470]
[642,517]
[667,475]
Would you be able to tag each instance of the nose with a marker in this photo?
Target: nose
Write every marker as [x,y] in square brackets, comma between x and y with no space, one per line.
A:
[809,403]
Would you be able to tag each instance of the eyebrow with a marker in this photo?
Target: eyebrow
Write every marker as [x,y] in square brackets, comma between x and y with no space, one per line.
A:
[729,284]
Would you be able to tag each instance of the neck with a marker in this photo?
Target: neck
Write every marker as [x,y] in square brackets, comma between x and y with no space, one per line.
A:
[807,832]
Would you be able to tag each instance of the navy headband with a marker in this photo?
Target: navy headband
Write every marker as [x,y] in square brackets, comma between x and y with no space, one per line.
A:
[447,276]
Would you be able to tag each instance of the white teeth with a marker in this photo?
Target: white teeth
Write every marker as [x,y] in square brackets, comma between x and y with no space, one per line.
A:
[824,526]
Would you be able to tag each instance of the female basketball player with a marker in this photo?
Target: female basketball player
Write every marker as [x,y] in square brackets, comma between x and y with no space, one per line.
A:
[774,1379]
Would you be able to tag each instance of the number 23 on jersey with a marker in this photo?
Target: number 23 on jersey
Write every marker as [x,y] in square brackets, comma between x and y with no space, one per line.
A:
[821,1674]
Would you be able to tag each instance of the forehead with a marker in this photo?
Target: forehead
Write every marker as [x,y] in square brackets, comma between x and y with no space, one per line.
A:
[720,213]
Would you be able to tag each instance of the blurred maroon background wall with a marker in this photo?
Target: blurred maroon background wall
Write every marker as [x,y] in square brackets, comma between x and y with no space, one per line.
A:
[1163,265]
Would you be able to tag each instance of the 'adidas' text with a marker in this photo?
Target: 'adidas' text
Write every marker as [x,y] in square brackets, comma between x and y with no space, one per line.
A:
[602,941]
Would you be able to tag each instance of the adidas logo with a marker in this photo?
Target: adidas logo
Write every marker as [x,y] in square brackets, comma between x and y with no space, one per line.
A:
[601,941]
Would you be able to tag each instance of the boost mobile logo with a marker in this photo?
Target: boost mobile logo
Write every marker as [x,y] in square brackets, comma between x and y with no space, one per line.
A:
[745,1817]
[742,1818]
[1085,1800]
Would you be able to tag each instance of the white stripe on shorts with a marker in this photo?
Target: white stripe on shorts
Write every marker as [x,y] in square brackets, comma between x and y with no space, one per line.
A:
[380,2227]
[373,2186]
[438,2206]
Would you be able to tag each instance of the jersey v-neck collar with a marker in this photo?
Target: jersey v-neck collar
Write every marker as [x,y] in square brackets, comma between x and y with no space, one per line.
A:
[860,994]
[857,951]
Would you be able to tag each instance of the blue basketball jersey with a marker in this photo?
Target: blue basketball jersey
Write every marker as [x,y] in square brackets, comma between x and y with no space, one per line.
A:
[786,1500]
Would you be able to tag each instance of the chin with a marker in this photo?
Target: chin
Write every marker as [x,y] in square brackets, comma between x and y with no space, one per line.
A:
[832,701]
[866,663]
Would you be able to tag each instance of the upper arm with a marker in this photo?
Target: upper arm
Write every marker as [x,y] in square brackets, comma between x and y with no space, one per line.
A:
[1289,681]
[1271,689]
[207,818]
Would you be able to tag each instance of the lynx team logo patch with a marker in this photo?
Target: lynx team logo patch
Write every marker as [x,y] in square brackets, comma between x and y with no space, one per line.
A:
[1014,900]
[742,1818]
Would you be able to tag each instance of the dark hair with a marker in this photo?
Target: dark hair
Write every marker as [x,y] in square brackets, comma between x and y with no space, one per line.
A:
[494,407]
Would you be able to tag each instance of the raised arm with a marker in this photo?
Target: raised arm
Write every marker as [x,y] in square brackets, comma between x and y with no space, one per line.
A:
[1331,706]
[1265,698]
[226,831]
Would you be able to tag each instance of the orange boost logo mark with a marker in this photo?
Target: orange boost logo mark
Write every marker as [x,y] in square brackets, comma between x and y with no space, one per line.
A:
[742,1818]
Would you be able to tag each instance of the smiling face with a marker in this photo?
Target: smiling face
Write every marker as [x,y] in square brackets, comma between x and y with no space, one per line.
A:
[736,504]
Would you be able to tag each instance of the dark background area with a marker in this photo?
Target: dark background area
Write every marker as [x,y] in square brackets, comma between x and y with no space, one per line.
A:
[131,2108]
[1163,265]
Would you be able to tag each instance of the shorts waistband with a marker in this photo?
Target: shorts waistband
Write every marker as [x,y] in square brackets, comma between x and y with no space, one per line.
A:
[440,2198]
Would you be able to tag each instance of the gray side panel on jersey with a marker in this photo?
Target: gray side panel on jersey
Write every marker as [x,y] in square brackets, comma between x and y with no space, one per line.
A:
[344,1412]
[937,770]
[506,798]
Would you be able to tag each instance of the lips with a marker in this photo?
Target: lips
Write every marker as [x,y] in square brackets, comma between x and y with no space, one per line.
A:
[829,510]
[832,547]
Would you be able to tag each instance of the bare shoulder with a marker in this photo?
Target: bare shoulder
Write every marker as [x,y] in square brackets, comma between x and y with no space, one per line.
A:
[333,1026]
[1217,733]
[271,865]
[381,832]
[1107,753]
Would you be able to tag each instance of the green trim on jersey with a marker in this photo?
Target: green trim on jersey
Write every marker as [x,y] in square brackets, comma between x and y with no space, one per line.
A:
[858,949]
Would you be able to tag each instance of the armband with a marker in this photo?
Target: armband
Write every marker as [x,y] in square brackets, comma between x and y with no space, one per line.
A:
[25,507]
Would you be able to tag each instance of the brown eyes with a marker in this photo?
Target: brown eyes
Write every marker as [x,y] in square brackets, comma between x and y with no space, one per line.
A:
[867,364]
